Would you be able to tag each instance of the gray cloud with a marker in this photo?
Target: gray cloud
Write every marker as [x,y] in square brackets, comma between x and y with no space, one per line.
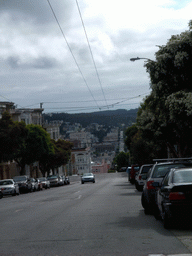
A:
[36,64]
[37,10]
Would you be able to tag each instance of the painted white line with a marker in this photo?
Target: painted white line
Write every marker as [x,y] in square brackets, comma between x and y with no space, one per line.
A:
[19,210]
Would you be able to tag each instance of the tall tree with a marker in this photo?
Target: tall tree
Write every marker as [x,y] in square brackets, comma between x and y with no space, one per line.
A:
[122,160]
[36,145]
[12,137]
[60,156]
[166,112]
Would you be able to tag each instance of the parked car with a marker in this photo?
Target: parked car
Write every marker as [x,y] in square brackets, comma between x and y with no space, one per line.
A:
[156,174]
[61,180]
[87,177]
[9,187]
[1,194]
[123,169]
[142,176]
[45,182]
[66,180]
[54,180]
[174,196]
[24,183]
[39,184]
[34,184]
[133,172]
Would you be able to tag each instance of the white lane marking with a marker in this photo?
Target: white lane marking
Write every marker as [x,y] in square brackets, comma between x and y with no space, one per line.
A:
[19,210]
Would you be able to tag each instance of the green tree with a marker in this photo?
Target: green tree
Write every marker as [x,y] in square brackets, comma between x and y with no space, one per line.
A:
[166,112]
[60,156]
[122,160]
[12,137]
[37,144]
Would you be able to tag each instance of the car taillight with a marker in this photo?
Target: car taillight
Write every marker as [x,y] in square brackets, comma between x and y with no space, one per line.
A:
[176,196]
[139,177]
[149,184]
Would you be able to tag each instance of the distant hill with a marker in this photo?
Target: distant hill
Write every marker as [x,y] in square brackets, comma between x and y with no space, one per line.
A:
[108,118]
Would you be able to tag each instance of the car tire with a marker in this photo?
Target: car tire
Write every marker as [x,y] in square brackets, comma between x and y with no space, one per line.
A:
[82,182]
[1,195]
[14,194]
[145,205]
[167,222]
[138,187]
[157,214]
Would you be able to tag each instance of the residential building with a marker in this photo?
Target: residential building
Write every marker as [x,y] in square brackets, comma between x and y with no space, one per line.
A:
[29,116]
[80,161]
[102,167]
[84,137]
[53,129]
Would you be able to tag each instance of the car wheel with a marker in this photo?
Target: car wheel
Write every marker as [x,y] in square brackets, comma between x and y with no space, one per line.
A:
[145,205]
[167,222]
[82,182]
[138,187]
[14,193]
[157,214]
[1,195]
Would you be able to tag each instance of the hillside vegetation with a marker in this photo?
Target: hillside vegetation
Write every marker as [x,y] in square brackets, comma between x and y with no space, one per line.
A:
[107,118]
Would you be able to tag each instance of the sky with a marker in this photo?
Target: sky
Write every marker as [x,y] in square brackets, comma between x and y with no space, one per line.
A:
[73,56]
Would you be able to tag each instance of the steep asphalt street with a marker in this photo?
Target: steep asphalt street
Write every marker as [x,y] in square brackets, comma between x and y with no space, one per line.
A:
[105,218]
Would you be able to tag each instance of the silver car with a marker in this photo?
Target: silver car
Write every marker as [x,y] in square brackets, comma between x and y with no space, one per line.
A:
[45,182]
[142,176]
[9,187]
[88,177]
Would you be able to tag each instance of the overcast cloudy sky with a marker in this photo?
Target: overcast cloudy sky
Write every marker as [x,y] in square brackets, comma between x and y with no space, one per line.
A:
[46,56]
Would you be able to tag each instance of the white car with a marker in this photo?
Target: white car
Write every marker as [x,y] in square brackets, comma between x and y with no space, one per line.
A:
[9,187]
[88,177]
[141,176]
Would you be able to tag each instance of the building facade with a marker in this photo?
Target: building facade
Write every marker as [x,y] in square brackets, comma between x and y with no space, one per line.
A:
[80,161]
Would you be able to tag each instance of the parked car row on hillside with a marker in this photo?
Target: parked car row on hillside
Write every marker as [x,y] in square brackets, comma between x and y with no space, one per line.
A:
[23,184]
[167,189]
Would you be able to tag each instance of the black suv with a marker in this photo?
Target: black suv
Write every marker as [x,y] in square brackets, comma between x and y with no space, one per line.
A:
[25,184]
[156,174]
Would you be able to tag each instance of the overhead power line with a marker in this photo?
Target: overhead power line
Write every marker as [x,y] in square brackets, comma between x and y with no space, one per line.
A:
[72,52]
[91,51]
[89,107]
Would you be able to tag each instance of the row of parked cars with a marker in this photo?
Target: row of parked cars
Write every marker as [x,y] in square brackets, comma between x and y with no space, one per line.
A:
[21,184]
[166,189]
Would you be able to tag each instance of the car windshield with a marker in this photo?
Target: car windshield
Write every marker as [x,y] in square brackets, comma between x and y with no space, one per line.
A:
[52,177]
[5,182]
[87,174]
[145,169]
[182,176]
[19,178]
[161,170]
[42,179]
